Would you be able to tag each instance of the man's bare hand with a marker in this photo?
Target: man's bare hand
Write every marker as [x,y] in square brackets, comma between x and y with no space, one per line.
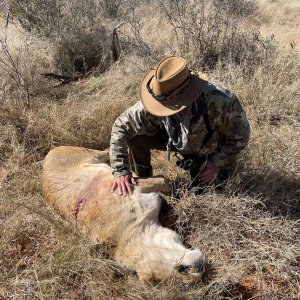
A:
[124,184]
[209,173]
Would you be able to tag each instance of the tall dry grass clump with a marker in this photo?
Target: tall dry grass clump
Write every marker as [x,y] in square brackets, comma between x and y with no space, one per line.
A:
[248,228]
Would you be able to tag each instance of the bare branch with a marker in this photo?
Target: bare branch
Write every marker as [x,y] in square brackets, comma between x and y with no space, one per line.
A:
[118,26]
[10,66]
[66,79]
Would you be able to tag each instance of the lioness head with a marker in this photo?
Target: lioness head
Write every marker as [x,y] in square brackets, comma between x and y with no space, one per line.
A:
[191,267]
[188,268]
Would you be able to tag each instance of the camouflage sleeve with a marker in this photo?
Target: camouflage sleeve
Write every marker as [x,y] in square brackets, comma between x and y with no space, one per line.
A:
[231,121]
[132,122]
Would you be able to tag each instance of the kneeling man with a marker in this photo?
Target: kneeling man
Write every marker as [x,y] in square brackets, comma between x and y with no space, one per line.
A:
[179,111]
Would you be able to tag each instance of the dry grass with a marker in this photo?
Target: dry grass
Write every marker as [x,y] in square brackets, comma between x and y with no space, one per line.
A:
[249,229]
[281,18]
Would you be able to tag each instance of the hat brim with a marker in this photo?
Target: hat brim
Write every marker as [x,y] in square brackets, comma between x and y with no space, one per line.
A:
[172,106]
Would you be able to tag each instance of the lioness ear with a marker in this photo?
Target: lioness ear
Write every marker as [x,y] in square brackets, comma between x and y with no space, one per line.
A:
[154,184]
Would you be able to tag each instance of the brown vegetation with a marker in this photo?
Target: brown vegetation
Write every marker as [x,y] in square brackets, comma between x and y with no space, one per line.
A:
[249,229]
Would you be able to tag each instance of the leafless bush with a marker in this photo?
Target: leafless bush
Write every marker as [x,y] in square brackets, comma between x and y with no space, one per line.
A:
[140,31]
[74,26]
[81,51]
[111,7]
[207,35]
[41,15]
[200,31]
[138,42]
[240,8]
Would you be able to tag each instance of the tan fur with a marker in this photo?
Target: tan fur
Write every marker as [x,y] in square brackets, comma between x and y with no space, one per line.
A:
[77,181]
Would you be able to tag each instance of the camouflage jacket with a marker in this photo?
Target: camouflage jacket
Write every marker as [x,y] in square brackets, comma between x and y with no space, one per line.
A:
[227,136]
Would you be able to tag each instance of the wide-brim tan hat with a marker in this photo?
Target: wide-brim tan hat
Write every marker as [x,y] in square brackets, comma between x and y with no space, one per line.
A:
[171,87]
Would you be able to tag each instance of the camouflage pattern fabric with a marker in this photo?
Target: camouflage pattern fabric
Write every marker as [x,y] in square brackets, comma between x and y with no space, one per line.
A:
[228,121]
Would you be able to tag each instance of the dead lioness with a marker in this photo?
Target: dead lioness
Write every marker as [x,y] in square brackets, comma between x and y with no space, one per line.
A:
[77,181]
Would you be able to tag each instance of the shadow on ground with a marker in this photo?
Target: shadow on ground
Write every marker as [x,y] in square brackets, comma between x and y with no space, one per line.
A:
[279,193]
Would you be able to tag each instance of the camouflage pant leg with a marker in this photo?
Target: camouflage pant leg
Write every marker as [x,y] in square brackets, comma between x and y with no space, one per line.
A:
[140,154]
